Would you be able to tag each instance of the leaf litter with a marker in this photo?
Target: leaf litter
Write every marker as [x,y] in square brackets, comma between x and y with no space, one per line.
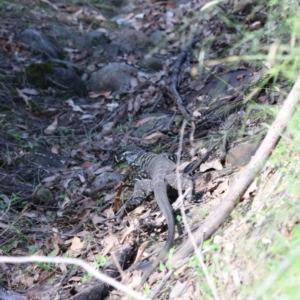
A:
[124,55]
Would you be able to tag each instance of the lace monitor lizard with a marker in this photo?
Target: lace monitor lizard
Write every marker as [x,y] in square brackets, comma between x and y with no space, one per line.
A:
[160,172]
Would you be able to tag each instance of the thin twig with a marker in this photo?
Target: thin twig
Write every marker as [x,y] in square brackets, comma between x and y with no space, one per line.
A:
[73,261]
[186,225]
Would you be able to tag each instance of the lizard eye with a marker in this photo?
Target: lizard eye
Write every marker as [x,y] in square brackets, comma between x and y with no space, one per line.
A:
[172,157]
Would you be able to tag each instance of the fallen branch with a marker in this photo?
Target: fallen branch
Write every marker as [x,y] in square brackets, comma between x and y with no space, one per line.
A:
[245,176]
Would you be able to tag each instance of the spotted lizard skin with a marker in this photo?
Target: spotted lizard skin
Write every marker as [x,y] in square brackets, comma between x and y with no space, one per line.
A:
[159,171]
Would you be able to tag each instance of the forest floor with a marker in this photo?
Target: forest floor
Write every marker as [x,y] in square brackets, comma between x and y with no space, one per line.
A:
[79,81]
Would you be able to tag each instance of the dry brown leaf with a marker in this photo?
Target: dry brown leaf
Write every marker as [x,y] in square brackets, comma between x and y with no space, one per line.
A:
[137,103]
[76,244]
[140,209]
[75,108]
[111,241]
[236,278]
[37,275]
[181,270]
[79,12]
[107,127]
[66,182]
[140,252]
[128,230]
[112,106]
[33,92]
[22,126]
[24,97]
[251,189]
[103,170]
[183,165]
[93,106]
[54,149]
[40,252]
[154,135]
[133,81]
[86,117]
[81,178]
[214,164]
[96,95]
[148,119]
[62,267]
[98,219]
[56,238]
[24,280]
[51,128]
[135,279]
[110,196]
[157,76]
[130,105]
[83,214]
[223,187]
[87,164]
[76,278]
[177,290]
[100,17]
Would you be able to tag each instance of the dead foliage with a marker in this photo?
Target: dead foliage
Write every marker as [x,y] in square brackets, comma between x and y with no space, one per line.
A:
[79,81]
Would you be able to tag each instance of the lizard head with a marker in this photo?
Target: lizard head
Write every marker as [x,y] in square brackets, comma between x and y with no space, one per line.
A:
[131,154]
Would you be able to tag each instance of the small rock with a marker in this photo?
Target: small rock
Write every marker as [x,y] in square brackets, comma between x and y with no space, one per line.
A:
[156,36]
[241,154]
[132,40]
[95,38]
[106,178]
[115,77]
[40,43]
[50,74]
[43,196]
[152,63]
[64,78]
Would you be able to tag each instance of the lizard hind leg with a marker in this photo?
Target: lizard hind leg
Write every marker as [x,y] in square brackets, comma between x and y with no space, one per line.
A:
[186,184]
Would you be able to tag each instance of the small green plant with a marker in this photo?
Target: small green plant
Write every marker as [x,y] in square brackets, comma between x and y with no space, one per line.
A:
[5,202]
[86,277]
[147,289]
[100,261]
[48,267]
[66,130]
[33,250]
[179,219]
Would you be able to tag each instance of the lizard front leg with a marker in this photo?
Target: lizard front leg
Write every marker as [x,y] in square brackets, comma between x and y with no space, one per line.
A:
[186,184]
[142,189]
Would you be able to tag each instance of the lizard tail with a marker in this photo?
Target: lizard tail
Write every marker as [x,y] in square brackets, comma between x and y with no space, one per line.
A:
[160,193]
